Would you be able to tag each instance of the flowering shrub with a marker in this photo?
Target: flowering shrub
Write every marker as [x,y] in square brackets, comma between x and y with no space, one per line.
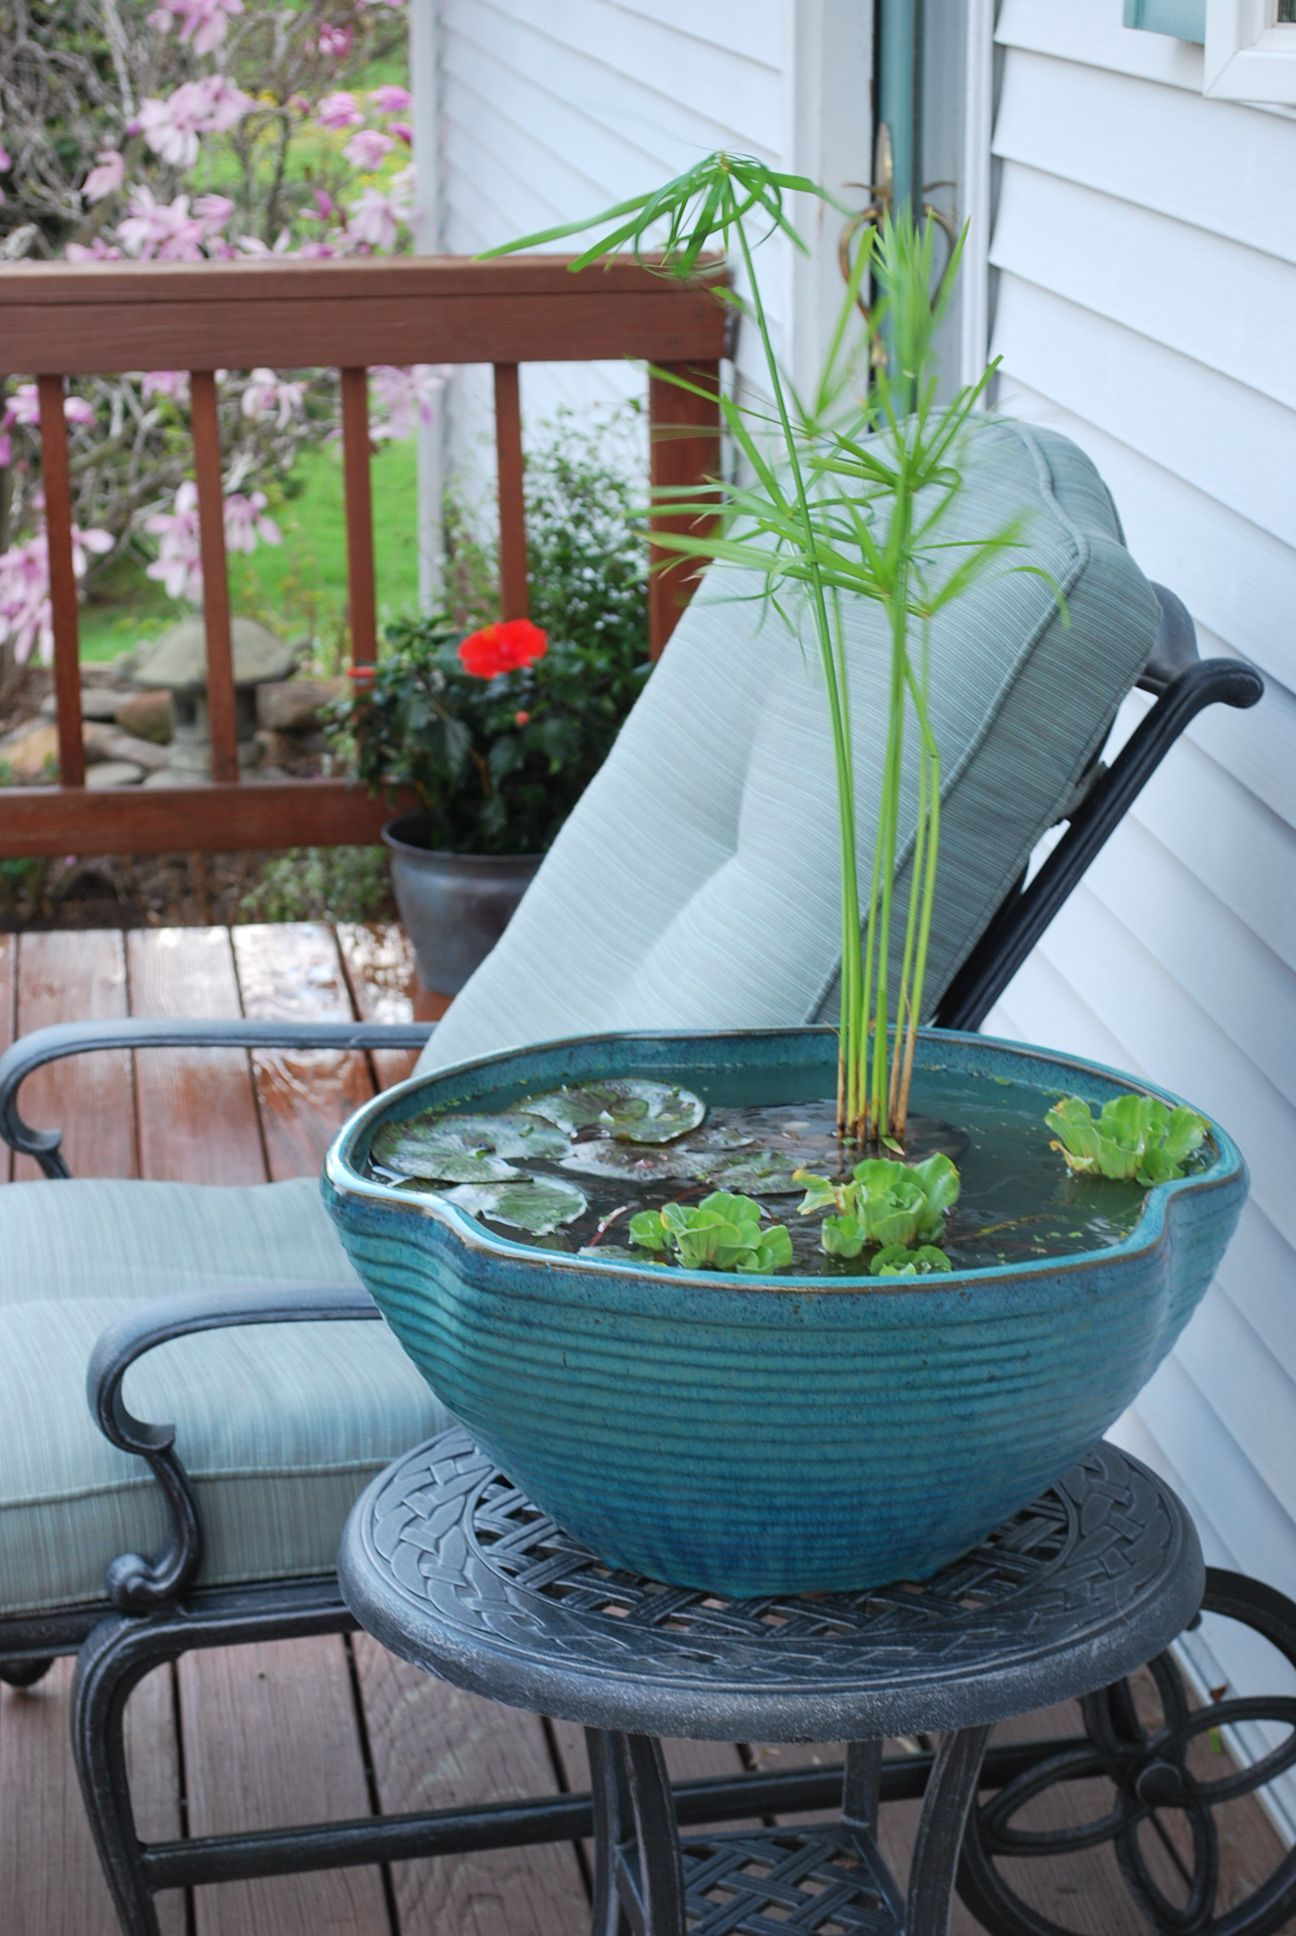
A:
[188,131]
[499,732]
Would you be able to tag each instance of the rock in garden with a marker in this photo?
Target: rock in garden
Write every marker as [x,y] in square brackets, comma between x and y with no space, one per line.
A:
[30,754]
[114,773]
[294,705]
[110,743]
[146,714]
[97,702]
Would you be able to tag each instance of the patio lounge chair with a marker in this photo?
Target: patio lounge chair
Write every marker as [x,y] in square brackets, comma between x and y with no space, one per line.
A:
[694,885]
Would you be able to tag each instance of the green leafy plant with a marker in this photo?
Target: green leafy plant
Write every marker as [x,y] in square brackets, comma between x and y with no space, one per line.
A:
[497,758]
[723,1232]
[897,1261]
[1134,1138]
[844,492]
[884,1203]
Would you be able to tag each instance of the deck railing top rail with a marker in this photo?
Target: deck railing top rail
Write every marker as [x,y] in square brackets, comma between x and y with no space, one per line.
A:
[59,320]
[98,317]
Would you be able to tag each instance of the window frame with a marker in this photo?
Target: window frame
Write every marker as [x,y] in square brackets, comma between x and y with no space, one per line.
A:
[1249,55]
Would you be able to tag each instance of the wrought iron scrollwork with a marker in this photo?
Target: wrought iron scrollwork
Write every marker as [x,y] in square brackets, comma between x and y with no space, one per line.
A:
[1148,1755]
[136,1584]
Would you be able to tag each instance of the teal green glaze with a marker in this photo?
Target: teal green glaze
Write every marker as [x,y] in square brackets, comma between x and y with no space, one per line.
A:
[778,1434]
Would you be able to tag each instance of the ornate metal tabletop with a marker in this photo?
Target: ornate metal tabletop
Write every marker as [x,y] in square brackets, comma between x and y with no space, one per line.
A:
[450,1566]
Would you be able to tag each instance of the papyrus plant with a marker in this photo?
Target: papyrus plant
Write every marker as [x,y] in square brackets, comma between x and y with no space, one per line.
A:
[843,493]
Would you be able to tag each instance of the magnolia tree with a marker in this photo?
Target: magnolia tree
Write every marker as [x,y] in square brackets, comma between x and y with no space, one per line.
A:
[190,131]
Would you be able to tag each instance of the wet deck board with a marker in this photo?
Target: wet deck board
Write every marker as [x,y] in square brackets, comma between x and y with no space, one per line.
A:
[301,1730]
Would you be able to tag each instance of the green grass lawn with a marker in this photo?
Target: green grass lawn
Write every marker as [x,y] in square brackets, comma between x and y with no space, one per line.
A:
[298,588]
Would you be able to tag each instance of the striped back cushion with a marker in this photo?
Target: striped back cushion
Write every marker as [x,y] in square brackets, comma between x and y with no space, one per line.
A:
[695,885]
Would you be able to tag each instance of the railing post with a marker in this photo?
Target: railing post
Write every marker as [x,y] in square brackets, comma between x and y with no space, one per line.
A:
[57,485]
[216,602]
[358,495]
[684,450]
[514,595]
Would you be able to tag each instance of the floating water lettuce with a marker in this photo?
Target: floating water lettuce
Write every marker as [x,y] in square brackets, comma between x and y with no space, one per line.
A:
[1134,1138]
[537,1205]
[629,1108]
[885,1203]
[465,1149]
[896,1261]
[723,1232]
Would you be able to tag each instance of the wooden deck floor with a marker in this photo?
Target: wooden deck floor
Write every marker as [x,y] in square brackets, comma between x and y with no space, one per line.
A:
[298,1731]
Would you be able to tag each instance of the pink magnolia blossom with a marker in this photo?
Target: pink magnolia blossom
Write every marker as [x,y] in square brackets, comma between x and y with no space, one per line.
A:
[172,384]
[246,523]
[97,250]
[316,251]
[178,565]
[26,622]
[375,216]
[269,395]
[6,159]
[23,408]
[6,450]
[162,230]
[172,127]
[402,395]
[253,245]
[367,147]
[204,22]
[338,111]
[211,105]
[402,131]
[336,41]
[391,100]
[213,211]
[106,177]
[225,104]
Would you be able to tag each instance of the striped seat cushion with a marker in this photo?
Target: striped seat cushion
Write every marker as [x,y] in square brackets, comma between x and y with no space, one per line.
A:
[280,1426]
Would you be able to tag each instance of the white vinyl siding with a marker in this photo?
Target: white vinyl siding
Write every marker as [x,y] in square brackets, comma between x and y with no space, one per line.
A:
[1144,302]
[553,109]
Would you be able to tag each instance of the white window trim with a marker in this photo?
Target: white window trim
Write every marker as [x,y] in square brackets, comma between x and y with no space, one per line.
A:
[1248,56]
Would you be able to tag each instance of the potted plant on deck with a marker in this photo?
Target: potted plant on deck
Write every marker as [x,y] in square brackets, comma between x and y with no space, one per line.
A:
[496,727]
[786,1309]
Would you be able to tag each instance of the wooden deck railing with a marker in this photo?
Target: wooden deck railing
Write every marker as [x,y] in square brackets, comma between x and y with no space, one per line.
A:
[104,318]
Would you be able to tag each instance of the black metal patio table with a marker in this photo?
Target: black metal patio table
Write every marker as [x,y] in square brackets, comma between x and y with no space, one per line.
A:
[452,1567]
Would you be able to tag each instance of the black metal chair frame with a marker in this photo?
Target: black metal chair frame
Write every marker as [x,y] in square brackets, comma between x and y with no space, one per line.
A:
[155,1608]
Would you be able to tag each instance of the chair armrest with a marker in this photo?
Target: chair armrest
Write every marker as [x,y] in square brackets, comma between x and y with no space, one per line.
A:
[33,1051]
[136,1584]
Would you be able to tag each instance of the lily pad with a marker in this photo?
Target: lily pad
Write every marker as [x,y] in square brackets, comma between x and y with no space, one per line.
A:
[753,1173]
[637,1162]
[464,1149]
[630,1108]
[537,1205]
[610,1253]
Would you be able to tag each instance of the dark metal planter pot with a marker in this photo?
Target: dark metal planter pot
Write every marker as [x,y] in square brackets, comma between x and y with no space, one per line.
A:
[757,1436]
[455,906]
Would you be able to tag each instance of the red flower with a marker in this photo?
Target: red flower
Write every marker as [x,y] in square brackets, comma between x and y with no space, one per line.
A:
[503,647]
[521,719]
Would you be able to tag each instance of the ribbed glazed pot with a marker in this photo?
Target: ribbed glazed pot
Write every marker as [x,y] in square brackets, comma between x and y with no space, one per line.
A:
[454,907]
[758,1436]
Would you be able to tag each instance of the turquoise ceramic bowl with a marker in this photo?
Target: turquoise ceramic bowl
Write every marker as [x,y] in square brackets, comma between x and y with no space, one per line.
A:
[757,1436]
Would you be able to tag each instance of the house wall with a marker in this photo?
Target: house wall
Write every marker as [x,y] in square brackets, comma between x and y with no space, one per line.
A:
[1144,301]
[553,109]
